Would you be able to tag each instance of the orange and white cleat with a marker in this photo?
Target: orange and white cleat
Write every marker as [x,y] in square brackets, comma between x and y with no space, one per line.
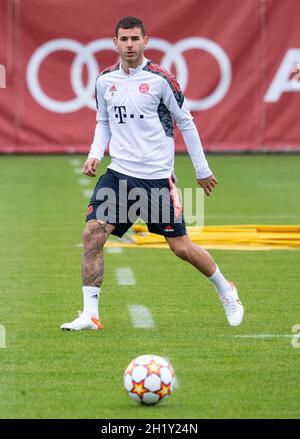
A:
[233,307]
[81,323]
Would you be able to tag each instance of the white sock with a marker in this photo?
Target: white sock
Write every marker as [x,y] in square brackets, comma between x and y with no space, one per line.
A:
[91,297]
[222,285]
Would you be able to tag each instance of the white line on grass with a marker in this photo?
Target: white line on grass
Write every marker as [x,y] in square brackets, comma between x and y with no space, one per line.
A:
[84,181]
[264,336]
[75,162]
[2,337]
[87,193]
[77,171]
[141,316]
[125,276]
[114,250]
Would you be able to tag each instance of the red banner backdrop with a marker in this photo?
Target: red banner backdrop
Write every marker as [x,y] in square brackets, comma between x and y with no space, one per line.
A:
[236,62]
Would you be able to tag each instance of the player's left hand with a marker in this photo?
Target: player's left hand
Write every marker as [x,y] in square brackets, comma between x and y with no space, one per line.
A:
[207,183]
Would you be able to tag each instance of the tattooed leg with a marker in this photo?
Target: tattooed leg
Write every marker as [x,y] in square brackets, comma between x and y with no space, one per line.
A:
[94,237]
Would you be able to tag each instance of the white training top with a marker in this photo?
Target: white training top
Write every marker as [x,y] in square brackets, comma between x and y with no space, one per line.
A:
[135,114]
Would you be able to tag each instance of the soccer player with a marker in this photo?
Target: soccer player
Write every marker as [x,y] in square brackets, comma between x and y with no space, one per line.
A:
[137,102]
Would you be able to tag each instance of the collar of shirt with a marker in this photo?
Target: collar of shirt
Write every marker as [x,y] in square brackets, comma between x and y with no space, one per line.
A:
[137,69]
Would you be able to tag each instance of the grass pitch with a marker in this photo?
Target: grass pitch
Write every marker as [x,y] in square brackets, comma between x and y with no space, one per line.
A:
[46,373]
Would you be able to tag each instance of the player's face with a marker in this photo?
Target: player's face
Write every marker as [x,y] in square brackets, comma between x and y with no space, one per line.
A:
[131,45]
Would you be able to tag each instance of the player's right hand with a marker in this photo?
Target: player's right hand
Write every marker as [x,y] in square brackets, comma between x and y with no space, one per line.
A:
[90,166]
[207,184]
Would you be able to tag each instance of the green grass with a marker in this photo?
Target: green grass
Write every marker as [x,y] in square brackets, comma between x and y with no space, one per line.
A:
[49,374]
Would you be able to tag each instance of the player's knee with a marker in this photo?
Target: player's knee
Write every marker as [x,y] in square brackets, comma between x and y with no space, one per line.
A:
[92,232]
[181,251]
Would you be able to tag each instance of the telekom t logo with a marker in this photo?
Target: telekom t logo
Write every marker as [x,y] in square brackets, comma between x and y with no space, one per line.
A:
[2,76]
[284,81]
[120,113]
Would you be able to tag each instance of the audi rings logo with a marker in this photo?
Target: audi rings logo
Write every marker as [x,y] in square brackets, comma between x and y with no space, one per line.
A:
[84,93]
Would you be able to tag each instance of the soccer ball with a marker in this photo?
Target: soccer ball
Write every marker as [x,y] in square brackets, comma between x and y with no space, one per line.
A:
[149,379]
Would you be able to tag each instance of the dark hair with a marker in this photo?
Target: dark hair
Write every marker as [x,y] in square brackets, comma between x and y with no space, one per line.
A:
[129,23]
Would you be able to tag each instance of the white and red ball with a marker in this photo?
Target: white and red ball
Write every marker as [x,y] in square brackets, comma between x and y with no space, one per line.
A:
[149,379]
